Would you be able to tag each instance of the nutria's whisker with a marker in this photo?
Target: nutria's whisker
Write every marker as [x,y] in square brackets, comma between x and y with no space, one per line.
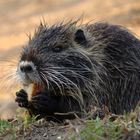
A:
[8,79]
[43,76]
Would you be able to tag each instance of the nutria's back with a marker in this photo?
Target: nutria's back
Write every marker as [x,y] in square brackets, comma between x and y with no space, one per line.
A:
[79,66]
[120,78]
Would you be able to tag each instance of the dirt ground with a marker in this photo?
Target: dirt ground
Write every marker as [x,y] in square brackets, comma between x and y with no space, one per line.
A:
[20,17]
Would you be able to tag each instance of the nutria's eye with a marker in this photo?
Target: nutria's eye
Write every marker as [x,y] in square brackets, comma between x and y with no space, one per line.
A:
[57,48]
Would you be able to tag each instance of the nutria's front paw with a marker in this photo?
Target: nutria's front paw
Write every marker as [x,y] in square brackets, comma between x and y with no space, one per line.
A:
[22,98]
[44,103]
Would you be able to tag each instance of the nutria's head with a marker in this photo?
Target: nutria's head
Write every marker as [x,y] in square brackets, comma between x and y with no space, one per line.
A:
[55,58]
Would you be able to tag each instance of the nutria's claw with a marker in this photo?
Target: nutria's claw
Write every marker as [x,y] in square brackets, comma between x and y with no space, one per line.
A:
[22,93]
[22,98]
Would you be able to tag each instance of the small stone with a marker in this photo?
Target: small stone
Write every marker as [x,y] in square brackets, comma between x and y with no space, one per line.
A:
[59,138]
[45,135]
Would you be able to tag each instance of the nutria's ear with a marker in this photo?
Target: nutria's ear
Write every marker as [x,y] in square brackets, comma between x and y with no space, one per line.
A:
[80,37]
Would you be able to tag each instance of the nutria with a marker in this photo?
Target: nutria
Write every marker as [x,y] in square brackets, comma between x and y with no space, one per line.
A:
[73,67]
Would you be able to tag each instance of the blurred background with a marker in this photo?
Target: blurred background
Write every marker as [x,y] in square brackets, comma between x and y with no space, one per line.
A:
[21,17]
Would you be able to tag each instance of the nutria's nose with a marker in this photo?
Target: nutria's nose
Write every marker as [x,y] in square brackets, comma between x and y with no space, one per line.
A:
[26,67]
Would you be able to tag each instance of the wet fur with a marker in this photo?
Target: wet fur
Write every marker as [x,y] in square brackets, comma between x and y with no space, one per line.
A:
[80,66]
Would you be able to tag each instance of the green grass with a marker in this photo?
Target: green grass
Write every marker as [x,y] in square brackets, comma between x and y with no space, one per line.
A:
[15,127]
[7,128]
[112,127]
[98,129]
[4,126]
